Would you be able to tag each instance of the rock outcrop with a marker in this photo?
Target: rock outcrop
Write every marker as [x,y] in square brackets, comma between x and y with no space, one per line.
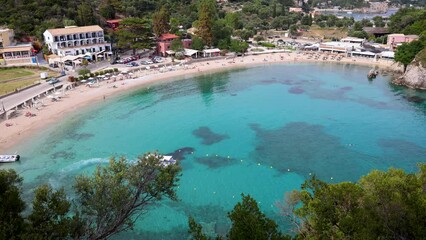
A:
[415,75]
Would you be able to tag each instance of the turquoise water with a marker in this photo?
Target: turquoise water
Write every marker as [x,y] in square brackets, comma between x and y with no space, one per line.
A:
[259,131]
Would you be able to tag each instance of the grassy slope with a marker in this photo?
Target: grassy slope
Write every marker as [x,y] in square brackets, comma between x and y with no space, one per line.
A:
[328,33]
[11,73]
[13,78]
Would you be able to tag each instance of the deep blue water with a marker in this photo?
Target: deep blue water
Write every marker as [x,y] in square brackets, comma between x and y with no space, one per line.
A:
[259,131]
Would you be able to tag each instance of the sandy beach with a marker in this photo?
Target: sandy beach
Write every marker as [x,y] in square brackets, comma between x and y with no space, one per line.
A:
[15,130]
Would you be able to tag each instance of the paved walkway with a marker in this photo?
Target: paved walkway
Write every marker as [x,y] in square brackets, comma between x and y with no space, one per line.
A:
[14,100]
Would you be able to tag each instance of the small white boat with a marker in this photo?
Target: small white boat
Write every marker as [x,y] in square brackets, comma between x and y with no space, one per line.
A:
[167,160]
[9,158]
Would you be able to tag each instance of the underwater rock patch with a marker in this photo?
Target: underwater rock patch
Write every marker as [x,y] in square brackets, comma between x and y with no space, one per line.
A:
[180,153]
[208,136]
[414,99]
[215,162]
[306,148]
[80,136]
[63,155]
[296,90]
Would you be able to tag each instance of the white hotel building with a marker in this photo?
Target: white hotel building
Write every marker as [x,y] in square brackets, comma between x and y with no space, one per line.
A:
[87,41]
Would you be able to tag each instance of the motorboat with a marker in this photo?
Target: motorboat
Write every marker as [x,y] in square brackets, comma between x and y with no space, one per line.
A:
[167,160]
[9,158]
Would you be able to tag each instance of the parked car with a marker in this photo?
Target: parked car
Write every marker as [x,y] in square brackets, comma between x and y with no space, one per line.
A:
[53,65]
[147,62]
[53,81]
[157,60]
[132,64]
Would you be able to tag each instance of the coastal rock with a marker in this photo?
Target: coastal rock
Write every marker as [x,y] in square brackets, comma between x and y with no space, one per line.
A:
[415,75]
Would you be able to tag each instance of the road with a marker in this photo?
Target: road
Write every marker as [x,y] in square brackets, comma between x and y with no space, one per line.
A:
[17,99]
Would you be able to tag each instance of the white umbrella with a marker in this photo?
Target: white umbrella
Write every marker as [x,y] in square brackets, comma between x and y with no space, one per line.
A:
[108,74]
[105,78]
[90,78]
[83,81]
[147,68]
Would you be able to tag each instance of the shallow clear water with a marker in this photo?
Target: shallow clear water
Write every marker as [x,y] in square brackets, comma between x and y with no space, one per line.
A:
[259,131]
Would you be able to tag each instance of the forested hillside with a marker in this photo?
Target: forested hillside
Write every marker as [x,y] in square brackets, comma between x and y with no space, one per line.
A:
[32,17]
[242,18]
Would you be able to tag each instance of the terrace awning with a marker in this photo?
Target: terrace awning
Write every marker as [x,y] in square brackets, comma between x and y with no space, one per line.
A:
[190,52]
[388,54]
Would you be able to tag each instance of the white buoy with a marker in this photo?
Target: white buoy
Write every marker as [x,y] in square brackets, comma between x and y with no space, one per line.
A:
[228,157]
[214,192]
[241,160]
[310,174]
[207,155]
[288,170]
[195,188]
[258,164]
[331,178]
[270,167]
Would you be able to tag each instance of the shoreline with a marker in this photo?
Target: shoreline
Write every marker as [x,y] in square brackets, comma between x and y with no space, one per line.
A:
[80,97]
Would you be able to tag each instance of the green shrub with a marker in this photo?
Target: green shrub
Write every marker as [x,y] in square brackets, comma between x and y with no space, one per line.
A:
[97,73]
[266,44]
[115,69]
[83,71]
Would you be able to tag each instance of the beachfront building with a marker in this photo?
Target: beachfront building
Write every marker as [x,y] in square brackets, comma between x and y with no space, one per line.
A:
[376,31]
[12,53]
[214,52]
[88,41]
[113,23]
[165,40]
[353,40]
[6,37]
[295,9]
[192,53]
[395,40]
[339,47]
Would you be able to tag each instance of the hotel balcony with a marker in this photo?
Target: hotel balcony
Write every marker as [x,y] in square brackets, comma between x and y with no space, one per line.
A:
[85,42]
[78,36]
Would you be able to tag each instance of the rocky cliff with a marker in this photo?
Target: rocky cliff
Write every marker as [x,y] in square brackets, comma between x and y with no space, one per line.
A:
[415,76]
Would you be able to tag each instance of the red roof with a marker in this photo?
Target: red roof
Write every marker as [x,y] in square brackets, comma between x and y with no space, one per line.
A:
[114,21]
[168,36]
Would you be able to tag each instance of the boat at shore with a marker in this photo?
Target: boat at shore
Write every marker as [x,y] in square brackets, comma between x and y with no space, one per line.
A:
[9,158]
